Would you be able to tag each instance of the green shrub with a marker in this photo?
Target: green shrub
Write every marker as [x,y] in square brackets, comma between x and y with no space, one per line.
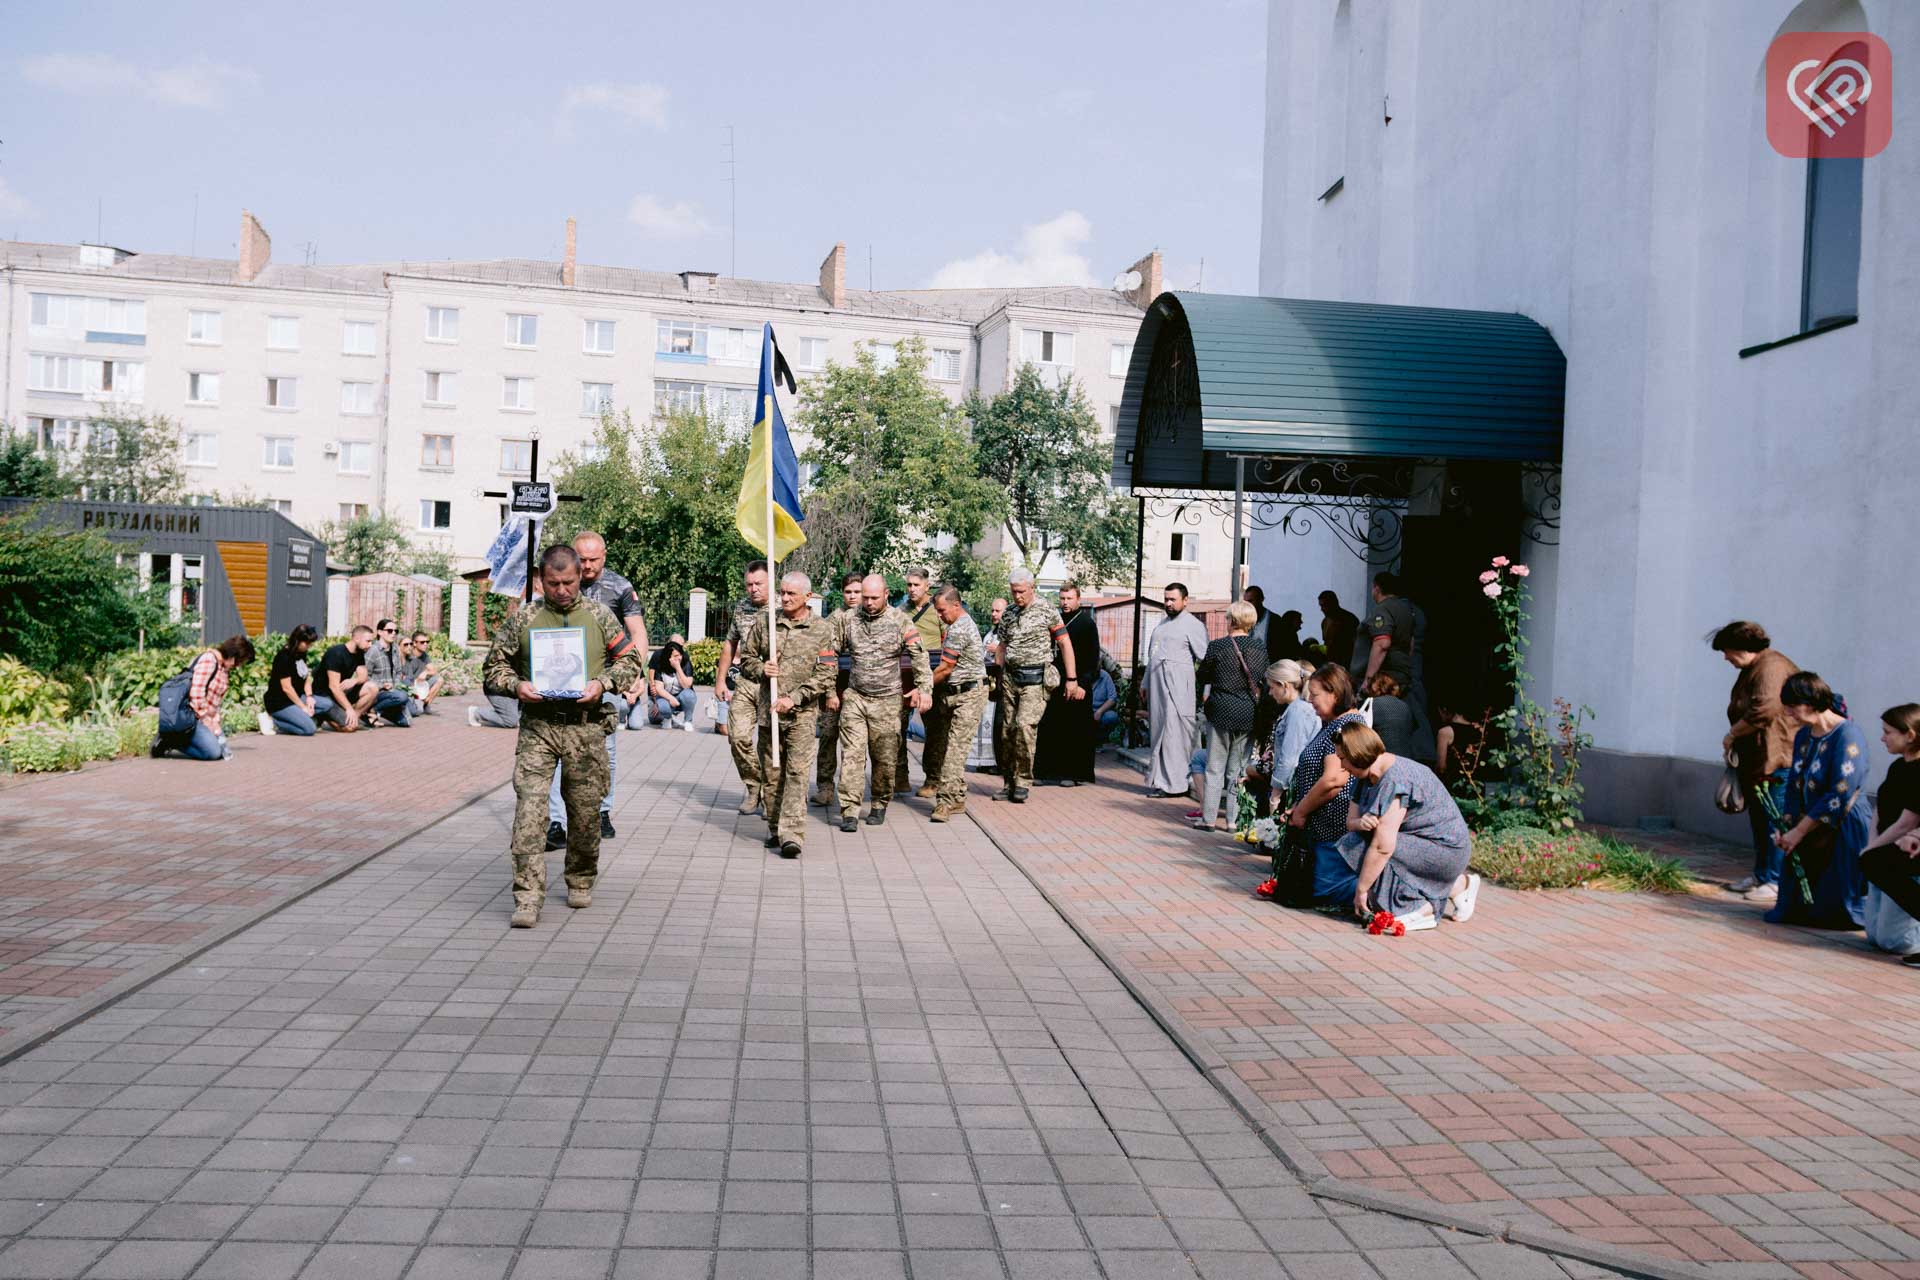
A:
[704,657]
[136,731]
[95,741]
[37,748]
[1535,858]
[65,600]
[26,695]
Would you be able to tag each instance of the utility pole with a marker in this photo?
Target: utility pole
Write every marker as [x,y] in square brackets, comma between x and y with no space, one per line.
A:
[733,208]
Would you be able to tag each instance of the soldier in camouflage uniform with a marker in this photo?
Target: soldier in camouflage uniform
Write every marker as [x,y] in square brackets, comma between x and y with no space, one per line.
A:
[876,637]
[823,793]
[805,665]
[959,700]
[743,701]
[918,606]
[569,733]
[1030,631]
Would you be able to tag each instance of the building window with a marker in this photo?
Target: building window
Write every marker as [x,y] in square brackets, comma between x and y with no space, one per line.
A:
[943,364]
[731,405]
[435,514]
[283,333]
[203,388]
[115,317]
[884,354]
[1830,276]
[1186,548]
[813,353]
[54,373]
[102,438]
[730,344]
[283,505]
[356,397]
[436,451]
[681,338]
[357,338]
[1119,356]
[52,435]
[203,326]
[118,380]
[516,393]
[1113,420]
[516,457]
[1046,346]
[201,449]
[283,393]
[351,511]
[356,457]
[679,397]
[596,398]
[596,337]
[277,453]
[523,331]
[441,387]
[443,324]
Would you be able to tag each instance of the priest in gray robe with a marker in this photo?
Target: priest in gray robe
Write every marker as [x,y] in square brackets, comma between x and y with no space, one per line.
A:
[1177,644]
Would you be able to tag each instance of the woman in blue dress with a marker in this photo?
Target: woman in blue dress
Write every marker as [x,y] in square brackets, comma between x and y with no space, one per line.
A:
[1828,819]
[1407,845]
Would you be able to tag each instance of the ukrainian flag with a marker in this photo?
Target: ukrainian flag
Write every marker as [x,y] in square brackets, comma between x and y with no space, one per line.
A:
[771,465]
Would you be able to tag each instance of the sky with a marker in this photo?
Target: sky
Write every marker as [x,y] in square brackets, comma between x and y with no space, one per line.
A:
[993,143]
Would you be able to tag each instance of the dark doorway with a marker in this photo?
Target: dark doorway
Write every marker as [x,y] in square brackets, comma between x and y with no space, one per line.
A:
[1442,557]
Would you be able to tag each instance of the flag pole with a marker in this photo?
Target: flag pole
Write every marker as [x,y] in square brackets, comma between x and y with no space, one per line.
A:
[773,587]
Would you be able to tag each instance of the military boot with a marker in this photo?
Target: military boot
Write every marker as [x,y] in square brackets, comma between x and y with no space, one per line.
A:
[927,791]
[525,916]
[750,805]
[577,898]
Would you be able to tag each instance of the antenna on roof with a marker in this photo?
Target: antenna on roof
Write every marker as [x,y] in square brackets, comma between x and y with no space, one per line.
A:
[869,266]
[1200,285]
[99,219]
[733,210]
[193,236]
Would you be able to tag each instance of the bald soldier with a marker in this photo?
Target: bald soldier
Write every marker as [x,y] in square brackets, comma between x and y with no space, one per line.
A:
[823,794]
[876,637]
[1030,632]
[794,648]
[959,700]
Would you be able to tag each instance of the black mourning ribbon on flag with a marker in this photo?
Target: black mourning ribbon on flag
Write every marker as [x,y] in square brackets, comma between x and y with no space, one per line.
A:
[782,372]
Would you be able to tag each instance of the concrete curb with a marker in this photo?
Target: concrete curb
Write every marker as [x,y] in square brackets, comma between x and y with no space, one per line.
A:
[32,1035]
[1296,1155]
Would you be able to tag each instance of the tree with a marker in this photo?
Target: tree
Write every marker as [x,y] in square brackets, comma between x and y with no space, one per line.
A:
[25,472]
[66,601]
[1043,445]
[131,458]
[896,468]
[662,496]
[373,543]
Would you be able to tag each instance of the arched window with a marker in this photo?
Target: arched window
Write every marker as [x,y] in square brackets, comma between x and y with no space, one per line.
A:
[1333,104]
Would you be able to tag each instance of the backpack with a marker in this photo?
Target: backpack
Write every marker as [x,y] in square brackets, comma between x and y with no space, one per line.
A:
[176,713]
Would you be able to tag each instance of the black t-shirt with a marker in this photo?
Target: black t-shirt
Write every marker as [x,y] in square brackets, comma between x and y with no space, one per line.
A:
[287,665]
[343,660]
[1900,792]
[661,664]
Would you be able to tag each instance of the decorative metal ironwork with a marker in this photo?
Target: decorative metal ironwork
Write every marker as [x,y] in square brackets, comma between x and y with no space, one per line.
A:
[1540,503]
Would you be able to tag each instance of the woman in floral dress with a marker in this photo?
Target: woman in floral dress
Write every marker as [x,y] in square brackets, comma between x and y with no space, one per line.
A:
[1828,819]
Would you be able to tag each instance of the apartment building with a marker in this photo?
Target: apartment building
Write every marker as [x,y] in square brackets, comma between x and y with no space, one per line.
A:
[415,388]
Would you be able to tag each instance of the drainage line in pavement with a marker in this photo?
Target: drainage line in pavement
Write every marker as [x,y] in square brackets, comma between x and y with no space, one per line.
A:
[1306,1166]
[34,1034]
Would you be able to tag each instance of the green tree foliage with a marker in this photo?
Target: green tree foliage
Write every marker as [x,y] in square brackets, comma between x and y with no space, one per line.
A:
[896,468]
[373,543]
[25,472]
[65,601]
[130,458]
[1041,443]
[662,495]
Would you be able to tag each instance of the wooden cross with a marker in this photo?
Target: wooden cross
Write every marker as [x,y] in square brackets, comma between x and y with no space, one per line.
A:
[534,488]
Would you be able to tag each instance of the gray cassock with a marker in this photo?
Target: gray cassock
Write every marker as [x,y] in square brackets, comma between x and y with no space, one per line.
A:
[1177,644]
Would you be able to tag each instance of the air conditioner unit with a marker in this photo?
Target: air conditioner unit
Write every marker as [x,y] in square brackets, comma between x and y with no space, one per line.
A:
[331,448]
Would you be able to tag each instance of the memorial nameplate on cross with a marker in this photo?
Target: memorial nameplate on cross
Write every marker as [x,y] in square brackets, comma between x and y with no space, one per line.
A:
[532,497]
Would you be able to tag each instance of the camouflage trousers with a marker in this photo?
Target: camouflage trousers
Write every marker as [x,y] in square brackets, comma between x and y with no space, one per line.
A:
[951,727]
[743,718]
[902,775]
[869,734]
[1021,706]
[580,752]
[785,796]
[828,719]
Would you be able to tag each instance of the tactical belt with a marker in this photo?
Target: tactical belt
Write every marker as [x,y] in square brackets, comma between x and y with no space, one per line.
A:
[1028,675]
[954,690]
[561,712]
[882,691]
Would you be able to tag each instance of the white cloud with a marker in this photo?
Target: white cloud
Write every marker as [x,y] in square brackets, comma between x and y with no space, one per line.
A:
[1051,252]
[640,103]
[12,203]
[657,217]
[200,83]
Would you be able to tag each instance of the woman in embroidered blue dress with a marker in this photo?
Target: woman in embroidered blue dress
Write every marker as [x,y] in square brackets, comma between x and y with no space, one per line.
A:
[1829,822]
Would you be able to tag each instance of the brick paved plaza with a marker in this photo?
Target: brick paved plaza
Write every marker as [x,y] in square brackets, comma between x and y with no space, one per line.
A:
[895,1058]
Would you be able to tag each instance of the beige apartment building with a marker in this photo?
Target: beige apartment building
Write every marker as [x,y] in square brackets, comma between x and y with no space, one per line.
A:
[414,388]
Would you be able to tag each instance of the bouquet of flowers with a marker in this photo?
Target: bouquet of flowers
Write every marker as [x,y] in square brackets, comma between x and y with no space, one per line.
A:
[1384,924]
[1263,832]
[1778,821]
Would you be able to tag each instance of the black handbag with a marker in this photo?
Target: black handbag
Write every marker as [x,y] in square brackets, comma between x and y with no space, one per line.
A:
[1293,868]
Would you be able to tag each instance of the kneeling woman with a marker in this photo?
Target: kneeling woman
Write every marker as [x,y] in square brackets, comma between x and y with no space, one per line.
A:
[1407,846]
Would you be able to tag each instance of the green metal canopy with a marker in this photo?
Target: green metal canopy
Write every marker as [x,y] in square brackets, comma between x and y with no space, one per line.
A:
[1215,376]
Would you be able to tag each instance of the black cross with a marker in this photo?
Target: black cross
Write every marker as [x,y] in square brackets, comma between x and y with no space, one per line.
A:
[533,549]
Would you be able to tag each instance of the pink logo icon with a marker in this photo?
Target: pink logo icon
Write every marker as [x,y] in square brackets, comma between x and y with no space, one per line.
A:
[1829,94]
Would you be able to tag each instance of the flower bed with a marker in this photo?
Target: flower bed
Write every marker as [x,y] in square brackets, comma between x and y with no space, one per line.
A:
[1534,858]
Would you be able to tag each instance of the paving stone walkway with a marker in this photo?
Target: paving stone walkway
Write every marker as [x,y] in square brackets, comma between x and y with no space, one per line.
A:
[1667,1074]
[121,868]
[888,1059]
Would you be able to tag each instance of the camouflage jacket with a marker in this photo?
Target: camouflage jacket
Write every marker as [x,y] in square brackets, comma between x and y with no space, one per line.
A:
[963,646]
[1031,634]
[745,614]
[807,661]
[877,645]
[506,664]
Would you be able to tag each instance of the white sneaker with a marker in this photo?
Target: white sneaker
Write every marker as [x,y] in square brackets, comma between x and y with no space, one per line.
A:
[1420,920]
[1460,907]
[690,727]
[1744,886]
[1765,895]
[473,717]
[266,724]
